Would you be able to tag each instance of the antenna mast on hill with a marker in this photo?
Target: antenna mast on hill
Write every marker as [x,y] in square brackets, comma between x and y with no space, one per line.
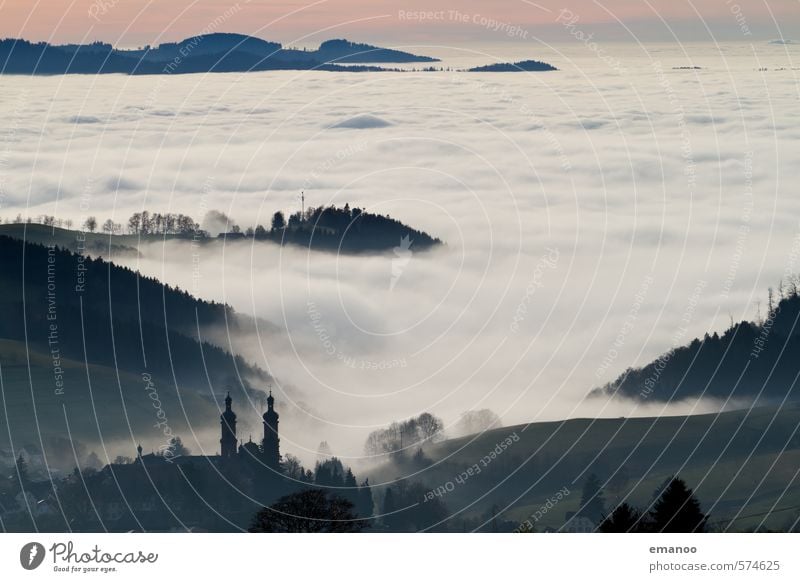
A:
[303,202]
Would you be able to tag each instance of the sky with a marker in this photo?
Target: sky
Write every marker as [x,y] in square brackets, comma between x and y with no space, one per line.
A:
[130,23]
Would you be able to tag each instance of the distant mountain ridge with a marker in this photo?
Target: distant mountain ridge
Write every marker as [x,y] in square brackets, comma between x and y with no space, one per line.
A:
[215,52]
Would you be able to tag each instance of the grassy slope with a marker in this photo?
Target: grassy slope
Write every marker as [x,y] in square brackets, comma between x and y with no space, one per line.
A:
[553,455]
[94,243]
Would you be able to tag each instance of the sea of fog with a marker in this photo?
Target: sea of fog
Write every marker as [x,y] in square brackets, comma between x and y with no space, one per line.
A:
[594,217]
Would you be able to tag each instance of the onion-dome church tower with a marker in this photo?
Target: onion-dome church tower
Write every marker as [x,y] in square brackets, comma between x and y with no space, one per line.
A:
[228,422]
[271,442]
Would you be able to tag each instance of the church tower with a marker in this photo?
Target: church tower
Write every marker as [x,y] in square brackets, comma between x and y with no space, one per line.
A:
[228,423]
[271,442]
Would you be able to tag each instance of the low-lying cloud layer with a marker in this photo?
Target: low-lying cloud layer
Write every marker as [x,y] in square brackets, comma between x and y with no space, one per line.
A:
[582,210]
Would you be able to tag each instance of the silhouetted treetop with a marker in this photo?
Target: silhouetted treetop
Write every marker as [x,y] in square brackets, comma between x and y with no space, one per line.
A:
[310,511]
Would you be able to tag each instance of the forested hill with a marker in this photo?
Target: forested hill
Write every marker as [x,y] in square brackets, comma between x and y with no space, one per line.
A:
[61,303]
[349,230]
[751,360]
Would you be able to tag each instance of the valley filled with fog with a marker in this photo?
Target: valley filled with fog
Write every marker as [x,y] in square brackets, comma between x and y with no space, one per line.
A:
[594,217]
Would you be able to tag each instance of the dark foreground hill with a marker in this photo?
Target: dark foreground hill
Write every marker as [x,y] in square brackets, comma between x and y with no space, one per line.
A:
[751,361]
[98,352]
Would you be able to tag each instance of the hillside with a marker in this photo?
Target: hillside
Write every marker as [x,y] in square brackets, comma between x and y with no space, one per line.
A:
[751,361]
[722,456]
[89,243]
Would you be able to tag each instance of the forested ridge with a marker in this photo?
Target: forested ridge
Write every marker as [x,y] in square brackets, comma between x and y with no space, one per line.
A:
[750,360]
[61,303]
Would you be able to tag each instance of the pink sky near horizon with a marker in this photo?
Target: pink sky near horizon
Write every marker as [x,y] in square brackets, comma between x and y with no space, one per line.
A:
[137,22]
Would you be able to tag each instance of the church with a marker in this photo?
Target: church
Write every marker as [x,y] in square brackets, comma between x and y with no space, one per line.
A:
[269,450]
[163,492]
[266,454]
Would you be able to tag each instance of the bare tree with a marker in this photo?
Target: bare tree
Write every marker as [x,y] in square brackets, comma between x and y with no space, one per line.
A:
[475,421]
[429,426]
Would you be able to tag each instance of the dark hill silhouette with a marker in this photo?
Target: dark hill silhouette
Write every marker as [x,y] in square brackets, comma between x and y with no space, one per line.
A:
[217,43]
[344,51]
[217,52]
[520,66]
[749,361]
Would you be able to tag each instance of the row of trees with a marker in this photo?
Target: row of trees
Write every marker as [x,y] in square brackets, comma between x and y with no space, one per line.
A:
[146,222]
[139,223]
[404,434]
[45,219]
[143,223]
[157,223]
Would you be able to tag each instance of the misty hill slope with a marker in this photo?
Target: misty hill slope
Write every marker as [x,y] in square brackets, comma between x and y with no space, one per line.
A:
[216,52]
[722,456]
[96,405]
[62,307]
[749,362]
